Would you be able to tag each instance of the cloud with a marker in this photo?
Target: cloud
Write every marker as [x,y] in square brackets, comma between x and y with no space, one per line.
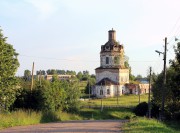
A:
[46,8]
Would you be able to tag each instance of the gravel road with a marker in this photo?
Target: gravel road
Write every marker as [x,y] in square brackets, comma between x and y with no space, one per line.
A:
[86,126]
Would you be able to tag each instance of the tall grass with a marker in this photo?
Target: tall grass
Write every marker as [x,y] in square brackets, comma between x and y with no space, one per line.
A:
[19,117]
[29,117]
[144,125]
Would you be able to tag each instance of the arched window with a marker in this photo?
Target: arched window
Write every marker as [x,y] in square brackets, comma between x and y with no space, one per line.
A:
[108,92]
[101,92]
[107,60]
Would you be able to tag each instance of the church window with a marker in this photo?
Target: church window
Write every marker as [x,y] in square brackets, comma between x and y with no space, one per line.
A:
[107,60]
[108,91]
[101,92]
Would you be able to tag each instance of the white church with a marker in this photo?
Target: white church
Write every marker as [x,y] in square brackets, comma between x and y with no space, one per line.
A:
[112,75]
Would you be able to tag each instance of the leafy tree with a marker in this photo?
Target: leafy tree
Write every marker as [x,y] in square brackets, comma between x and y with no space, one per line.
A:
[51,71]
[172,89]
[42,72]
[131,77]
[27,75]
[8,67]
[70,72]
[61,71]
[79,75]
[139,76]
[73,94]
[85,75]
[91,82]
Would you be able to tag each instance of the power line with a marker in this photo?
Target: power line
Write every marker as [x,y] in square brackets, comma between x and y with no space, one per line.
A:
[51,58]
[174,29]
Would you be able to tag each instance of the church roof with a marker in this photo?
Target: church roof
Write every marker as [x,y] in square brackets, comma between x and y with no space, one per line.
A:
[112,45]
[117,67]
[106,82]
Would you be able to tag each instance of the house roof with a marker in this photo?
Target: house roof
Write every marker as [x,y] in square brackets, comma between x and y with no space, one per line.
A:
[143,80]
[107,82]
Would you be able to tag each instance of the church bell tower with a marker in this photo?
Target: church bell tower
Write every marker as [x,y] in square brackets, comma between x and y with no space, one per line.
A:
[112,74]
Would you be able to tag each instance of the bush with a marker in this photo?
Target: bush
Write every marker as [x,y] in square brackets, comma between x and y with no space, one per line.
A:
[141,109]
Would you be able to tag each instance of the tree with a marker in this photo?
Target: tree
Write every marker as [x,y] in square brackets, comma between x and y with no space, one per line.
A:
[27,75]
[126,64]
[51,71]
[41,72]
[139,76]
[172,89]
[72,97]
[91,82]
[8,67]
[79,75]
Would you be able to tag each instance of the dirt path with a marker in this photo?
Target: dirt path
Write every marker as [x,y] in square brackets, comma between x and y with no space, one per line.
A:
[100,126]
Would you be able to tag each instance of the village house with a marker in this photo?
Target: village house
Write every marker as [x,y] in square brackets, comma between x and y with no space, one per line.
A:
[142,87]
[60,77]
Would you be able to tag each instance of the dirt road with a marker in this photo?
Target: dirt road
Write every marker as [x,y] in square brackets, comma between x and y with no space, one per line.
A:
[88,126]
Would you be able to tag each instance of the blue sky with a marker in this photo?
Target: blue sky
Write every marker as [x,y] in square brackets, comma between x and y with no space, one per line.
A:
[68,34]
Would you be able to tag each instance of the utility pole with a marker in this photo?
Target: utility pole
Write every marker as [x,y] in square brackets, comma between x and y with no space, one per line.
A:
[89,88]
[101,92]
[164,77]
[32,78]
[139,93]
[117,92]
[149,104]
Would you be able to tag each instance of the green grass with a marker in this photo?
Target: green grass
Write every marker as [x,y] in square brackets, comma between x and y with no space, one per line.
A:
[124,100]
[21,117]
[144,125]
[107,113]
[136,124]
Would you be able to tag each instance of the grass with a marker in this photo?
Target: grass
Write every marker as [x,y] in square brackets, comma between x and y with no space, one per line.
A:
[136,124]
[144,125]
[124,100]
[107,113]
[21,117]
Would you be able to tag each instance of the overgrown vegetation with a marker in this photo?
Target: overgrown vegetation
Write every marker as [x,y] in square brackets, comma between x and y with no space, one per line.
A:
[8,67]
[49,96]
[29,117]
[145,125]
[172,89]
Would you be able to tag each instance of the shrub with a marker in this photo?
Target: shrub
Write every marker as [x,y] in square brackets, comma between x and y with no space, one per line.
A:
[141,109]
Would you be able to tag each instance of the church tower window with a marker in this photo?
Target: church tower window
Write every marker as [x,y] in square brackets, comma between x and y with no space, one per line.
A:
[101,92]
[107,60]
[108,91]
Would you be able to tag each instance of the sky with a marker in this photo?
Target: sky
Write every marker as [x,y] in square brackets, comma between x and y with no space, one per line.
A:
[68,34]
